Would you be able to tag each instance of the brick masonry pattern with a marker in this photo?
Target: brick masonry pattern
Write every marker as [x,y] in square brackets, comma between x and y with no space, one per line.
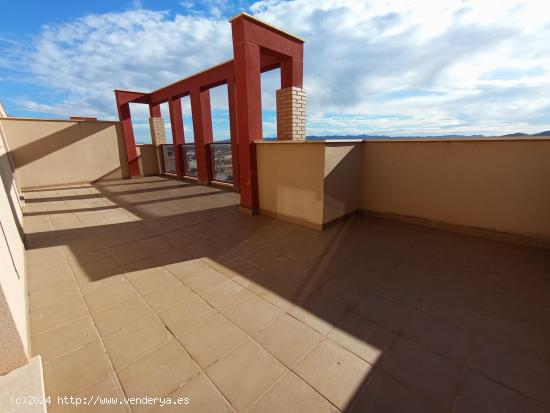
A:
[158,132]
[291,113]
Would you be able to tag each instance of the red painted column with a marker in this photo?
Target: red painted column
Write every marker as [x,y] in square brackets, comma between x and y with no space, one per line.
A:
[129,140]
[233,133]
[154,111]
[176,121]
[249,116]
[202,127]
[292,73]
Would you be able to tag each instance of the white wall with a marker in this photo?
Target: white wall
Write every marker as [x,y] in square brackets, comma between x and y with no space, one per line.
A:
[14,326]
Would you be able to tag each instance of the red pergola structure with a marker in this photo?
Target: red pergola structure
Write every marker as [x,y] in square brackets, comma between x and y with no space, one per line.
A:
[257,47]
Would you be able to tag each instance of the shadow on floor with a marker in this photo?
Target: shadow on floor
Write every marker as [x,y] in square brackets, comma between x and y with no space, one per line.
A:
[403,318]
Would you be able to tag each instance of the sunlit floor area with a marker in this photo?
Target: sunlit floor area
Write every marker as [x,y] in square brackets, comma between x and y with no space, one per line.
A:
[156,287]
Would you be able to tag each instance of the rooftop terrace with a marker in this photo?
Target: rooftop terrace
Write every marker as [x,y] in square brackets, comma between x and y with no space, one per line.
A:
[365,276]
[158,287]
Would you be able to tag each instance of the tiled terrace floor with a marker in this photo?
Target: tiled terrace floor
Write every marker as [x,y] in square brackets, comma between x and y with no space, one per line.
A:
[156,287]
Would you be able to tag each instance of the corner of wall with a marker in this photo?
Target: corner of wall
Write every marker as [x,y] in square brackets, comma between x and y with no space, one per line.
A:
[342,175]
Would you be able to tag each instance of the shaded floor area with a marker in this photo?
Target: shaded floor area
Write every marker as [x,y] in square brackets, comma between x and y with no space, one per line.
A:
[157,287]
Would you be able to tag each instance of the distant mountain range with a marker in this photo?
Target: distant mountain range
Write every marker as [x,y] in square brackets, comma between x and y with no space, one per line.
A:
[359,137]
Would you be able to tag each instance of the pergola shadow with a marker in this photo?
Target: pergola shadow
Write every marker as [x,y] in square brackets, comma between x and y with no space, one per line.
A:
[404,301]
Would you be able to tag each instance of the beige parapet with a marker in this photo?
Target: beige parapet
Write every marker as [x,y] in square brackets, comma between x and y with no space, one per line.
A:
[490,185]
[49,152]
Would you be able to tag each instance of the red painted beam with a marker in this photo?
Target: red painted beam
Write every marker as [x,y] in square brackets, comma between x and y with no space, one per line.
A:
[128,96]
[207,79]
[268,37]
[212,77]
[178,137]
[82,118]
[202,128]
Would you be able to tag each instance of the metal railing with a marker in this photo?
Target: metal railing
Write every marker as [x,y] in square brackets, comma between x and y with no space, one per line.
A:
[169,158]
[189,160]
[222,162]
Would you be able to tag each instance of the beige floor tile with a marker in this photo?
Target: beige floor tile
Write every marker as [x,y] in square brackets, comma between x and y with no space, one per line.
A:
[362,337]
[202,397]
[56,314]
[388,314]
[100,397]
[384,394]
[47,277]
[158,373]
[340,292]
[135,340]
[226,295]
[523,337]
[186,315]
[494,291]
[65,338]
[285,294]
[423,371]
[89,284]
[51,295]
[120,315]
[204,279]
[253,314]
[255,368]
[479,394]
[165,296]
[151,279]
[211,340]
[516,369]
[334,372]
[71,373]
[109,294]
[187,268]
[292,394]
[440,336]
[320,315]
[288,339]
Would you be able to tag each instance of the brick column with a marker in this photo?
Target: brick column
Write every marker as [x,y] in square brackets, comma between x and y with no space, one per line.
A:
[291,114]
[158,132]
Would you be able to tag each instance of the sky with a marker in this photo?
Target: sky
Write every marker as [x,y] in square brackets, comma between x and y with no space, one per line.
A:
[393,67]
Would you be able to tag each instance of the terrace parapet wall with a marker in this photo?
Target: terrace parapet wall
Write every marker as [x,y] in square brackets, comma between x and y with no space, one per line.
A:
[490,187]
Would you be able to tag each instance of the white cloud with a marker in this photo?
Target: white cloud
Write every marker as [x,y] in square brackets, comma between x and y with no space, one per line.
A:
[394,67]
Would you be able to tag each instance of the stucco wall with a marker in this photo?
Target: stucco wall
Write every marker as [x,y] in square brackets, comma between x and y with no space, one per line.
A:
[290,181]
[54,152]
[14,326]
[148,158]
[341,180]
[498,185]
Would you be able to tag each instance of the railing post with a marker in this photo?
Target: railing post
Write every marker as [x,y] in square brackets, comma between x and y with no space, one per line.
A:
[128,135]
[202,126]
[233,133]
[178,136]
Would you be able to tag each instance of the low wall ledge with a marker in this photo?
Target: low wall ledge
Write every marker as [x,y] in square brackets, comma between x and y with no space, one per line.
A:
[417,140]
[114,122]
